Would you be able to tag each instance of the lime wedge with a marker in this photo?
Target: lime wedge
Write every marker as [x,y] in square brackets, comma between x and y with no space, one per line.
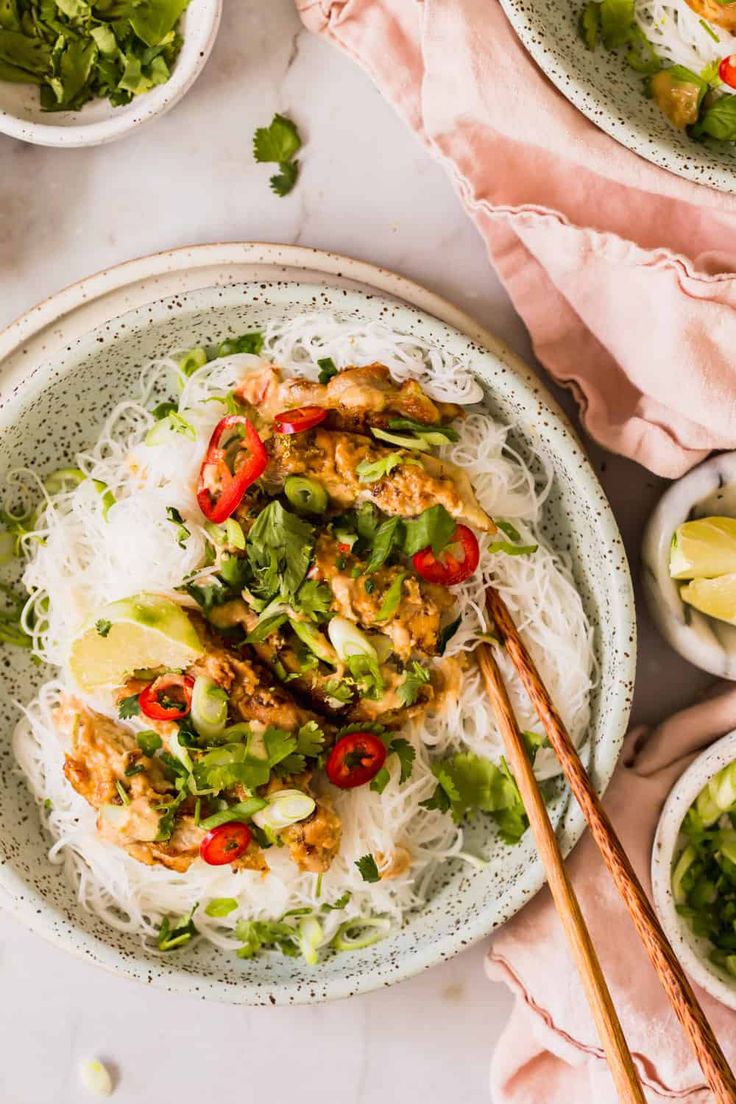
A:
[704,548]
[143,631]
[716,597]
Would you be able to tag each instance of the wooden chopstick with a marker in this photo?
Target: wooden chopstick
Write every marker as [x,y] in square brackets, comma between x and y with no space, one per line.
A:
[610,1034]
[679,991]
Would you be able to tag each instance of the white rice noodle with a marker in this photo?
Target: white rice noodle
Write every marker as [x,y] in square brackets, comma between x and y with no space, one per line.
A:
[86,560]
[681,36]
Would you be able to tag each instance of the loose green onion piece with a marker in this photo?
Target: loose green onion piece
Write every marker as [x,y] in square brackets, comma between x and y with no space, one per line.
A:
[310,937]
[361,932]
[348,640]
[181,753]
[722,788]
[318,886]
[243,811]
[7,547]
[108,498]
[408,442]
[512,549]
[314,640]
[64,479]
[123,793]
[221,906]
[209,708]
[307,496]
[192,360]
[284,808]
[234,533]
[510,530]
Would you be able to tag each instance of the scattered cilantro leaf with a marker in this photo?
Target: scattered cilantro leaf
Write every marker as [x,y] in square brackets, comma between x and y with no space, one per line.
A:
[278,142]
[103,627]
[174,934]
[368,868]
[472,783]
[182,533]
[406,755]
[310,740]
[434,528]
[314,599]
[415,677]
[339,904]
[327,369]
[129,707]
[284,180]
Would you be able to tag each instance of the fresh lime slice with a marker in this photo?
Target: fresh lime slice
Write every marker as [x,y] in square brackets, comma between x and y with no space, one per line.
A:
[143,631]
[704,548]
[716,597]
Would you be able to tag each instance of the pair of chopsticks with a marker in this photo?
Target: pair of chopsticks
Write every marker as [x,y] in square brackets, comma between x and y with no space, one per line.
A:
[679,991]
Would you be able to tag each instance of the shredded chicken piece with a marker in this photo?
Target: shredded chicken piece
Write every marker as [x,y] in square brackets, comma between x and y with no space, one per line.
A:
[723,15]
[314,842]
[357,398]
[332,458]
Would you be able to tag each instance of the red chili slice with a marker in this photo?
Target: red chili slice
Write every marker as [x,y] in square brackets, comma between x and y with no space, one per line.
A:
[727,70]
[235,458]
[225,843]
[298,420]
[168,698]
[355,759]
[454,564]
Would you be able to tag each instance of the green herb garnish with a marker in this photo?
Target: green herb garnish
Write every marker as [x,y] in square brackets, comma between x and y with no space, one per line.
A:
[368,869]
[103,627]
[278,144]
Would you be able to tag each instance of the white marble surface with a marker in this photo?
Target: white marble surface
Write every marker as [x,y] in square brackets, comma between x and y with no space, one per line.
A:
[367,189]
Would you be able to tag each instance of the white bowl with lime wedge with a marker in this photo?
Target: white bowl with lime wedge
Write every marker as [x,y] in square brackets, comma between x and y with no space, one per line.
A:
[689,565]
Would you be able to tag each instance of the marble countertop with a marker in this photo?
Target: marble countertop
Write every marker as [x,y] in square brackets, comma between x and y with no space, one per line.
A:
[367,189]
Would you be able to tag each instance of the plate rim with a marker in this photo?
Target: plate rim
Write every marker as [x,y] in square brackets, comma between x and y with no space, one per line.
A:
[19,334]
[631,135]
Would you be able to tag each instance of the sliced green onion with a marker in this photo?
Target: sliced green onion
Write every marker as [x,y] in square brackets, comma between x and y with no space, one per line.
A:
[722,788]
[314,640]
[64,479]
[209,708]
[284,808]
[413,442]
[192,360]
[361,932]
[383,647]
[307,496]
[160,432]
[108,498]
[706,807]
[310,937]
[122,792]
[348,640]
[221,906]
[181,753]
[234,533]
[243,811]
[7,547]
[115,815]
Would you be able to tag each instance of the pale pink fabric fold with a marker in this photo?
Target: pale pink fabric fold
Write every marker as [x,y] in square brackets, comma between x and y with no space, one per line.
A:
[549,1052]
[623,273]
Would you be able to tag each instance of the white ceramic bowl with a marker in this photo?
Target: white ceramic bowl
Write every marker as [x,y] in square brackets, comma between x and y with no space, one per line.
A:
[691,950]
[709,489]
[66,361]
[98,121]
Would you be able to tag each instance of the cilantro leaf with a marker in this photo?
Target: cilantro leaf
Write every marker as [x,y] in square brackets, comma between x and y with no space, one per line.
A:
[284,180]
[472,783]
[314,599]
[103,627]
[182,533]
[367,676]
[368,869]
[339,904]
[310,739]
[279,550]
[339,690]
[718,120]
[416,677]
[434,528]
[406,755]
[251,342]
[258,935]
[129,707]
[278,142]
[327,369]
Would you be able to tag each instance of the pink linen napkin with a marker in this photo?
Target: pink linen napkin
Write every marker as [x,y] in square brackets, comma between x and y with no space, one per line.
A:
[549,1051]
[622,272]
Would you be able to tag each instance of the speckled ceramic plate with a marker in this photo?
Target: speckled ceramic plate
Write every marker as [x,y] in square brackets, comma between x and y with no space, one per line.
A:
[67,361]
[609,92]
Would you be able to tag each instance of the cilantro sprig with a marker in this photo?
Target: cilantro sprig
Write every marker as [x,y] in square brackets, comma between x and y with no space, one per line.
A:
[278,144]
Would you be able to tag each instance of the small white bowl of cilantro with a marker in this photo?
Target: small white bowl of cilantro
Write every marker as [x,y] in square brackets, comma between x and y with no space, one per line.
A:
[694,869]
[83,72]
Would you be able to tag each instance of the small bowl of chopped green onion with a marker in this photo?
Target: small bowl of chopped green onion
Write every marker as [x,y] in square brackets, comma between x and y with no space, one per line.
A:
[84,72]
[694,870]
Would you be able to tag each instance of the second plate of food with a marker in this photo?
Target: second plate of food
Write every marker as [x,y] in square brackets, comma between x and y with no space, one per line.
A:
[665,88]
[248,531]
